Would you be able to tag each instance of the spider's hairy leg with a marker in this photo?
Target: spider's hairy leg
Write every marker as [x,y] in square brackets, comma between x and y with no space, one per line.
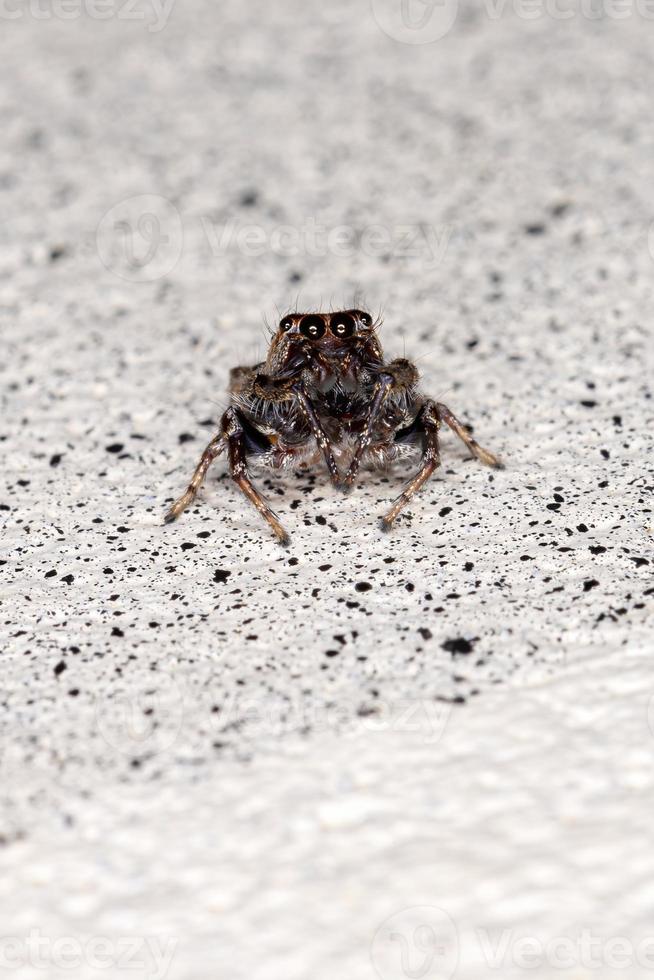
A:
[431,460]
[237,448]
[397,377]
[477,451]
[213,450]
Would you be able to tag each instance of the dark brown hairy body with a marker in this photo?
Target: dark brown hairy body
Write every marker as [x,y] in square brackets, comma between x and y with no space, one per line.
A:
[326,392]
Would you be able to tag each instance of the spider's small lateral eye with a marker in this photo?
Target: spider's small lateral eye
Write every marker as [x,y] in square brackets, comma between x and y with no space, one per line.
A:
[286,324]
[365,318]
[342,325]
[312,327]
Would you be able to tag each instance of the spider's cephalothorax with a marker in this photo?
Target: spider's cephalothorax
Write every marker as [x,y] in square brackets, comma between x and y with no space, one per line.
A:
[325,391]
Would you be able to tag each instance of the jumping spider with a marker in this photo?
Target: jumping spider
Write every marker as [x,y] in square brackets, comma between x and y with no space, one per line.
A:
[325,390]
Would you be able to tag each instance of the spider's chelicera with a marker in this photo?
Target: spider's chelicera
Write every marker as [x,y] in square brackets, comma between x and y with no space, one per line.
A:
[325,391]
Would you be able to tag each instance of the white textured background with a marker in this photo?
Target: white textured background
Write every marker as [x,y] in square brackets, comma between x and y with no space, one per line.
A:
[253,758]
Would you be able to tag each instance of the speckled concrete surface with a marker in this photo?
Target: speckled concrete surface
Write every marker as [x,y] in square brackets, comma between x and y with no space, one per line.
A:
[252,762]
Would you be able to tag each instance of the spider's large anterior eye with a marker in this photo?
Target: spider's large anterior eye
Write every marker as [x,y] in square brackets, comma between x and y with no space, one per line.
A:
[286,324]
[366,319]
[312,327]
[342,325]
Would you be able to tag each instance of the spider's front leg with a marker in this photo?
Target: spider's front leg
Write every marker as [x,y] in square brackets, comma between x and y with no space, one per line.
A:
[213,450]
[238,470]
[428,423]
[231,436]
[398,377]
[279,389]
[488,459]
